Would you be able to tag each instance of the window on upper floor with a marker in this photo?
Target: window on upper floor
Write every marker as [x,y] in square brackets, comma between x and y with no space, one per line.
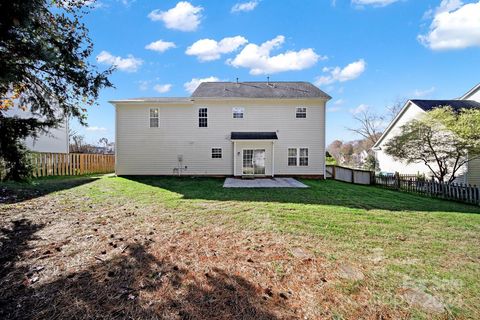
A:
[154,118]
[216,153]
[238,113]
[300,112]
[203,117]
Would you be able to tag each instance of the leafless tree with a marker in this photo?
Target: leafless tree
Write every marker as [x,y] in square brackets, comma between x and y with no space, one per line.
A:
[370,125]
[395,108]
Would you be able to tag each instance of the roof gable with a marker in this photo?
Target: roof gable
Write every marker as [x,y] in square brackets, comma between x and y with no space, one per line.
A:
[259,90]
[471,92]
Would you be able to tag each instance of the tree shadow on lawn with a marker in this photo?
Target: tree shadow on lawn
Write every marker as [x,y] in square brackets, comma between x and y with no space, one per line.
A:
[14,192]
[321,192]
[132,285]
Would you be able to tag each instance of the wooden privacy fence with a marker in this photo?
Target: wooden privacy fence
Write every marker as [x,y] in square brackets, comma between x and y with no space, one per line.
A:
[419,184]
[70,164]
[349,175]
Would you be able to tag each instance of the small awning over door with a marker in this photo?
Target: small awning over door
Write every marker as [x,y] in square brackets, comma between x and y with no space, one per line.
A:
[253,136]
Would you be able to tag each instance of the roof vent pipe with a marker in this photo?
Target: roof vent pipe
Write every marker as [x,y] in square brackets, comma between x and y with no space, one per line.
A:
[268,80]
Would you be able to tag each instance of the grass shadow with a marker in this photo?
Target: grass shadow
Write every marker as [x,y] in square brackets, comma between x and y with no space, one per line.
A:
[321,192]
[13,192]
[137,285]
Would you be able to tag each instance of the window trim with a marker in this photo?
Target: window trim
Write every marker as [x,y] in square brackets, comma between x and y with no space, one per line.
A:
[242,112]
[304,157]
[200,117]
[298,157]
[152,118]
[216,149]
[297,112]
[295,157]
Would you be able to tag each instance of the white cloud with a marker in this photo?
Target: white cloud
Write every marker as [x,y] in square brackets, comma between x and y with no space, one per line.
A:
[257,58]
[96,129]
[454,26]
[162,88]
[128,64]
[337,74]
[361,108]
[423,93]
[191,85]
[184,16]
[375,3]
[245,6]
[339,102]
[160,46]
[208,49]
[445,6]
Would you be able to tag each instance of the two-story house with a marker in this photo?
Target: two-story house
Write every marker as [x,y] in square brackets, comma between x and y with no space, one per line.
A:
[225,129]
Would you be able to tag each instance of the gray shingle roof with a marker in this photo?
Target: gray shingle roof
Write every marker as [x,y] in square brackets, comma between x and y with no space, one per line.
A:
[456,105]
[258,90]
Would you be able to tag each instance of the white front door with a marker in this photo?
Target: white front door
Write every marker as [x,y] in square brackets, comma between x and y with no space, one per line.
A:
[253,161]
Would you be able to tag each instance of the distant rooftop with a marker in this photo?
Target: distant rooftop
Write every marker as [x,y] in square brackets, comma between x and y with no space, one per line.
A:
[456,105]
[258,90]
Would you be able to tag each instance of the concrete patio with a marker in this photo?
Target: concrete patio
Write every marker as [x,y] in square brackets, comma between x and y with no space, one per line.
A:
[263,183]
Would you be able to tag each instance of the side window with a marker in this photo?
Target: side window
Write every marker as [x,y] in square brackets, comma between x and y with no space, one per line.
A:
[203,117]
[303,159]
[216,153]
[292,156]
[238,113]
[301,113]
[154,118]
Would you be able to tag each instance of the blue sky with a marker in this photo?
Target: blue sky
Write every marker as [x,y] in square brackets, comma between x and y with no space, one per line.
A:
[366,54]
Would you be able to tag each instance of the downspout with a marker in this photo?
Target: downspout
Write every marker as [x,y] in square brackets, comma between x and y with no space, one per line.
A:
[234,158]
[273,158]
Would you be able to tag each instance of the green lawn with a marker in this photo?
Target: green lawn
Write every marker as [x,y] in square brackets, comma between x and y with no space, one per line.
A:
[397,241]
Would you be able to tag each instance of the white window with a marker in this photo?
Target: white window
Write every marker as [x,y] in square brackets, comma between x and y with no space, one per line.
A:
[154,119]
[298,157]
[292,157]
[301,113]
[238,113]
[216,153]
[203,117]
[303,157]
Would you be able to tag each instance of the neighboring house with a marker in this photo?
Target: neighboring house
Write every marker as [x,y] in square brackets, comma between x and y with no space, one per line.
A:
[55,140]
[225,129]
[470,173]
[360,158]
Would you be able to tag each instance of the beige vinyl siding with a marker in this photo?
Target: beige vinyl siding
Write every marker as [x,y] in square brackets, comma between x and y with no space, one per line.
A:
[473,176]
[154,151]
